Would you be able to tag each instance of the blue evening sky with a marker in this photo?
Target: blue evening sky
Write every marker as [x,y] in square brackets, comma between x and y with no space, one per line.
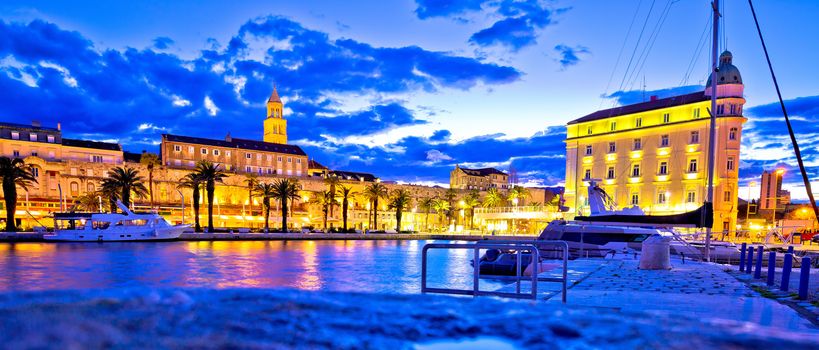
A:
[403,89]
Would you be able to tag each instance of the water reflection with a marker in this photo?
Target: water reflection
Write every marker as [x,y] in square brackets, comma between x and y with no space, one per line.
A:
[366,266]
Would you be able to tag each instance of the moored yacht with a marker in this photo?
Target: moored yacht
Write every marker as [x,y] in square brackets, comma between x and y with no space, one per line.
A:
[125,226]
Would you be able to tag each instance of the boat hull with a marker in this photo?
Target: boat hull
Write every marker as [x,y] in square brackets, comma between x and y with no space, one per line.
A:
[131,235]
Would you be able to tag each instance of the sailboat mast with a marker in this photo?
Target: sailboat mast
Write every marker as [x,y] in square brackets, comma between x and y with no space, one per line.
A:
[712,132]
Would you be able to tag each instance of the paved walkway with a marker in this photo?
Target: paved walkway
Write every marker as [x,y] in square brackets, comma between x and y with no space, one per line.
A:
[692,289]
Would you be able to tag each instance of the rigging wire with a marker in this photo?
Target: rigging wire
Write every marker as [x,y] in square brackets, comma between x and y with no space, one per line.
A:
[697,51]
[619,55]
[650,43]
[636,45]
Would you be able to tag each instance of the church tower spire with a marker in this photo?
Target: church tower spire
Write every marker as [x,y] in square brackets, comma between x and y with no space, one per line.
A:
[275,126]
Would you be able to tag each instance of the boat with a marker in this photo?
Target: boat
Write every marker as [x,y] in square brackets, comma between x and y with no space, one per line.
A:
[109,227]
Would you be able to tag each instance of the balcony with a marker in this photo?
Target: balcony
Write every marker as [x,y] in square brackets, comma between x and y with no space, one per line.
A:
[540,212]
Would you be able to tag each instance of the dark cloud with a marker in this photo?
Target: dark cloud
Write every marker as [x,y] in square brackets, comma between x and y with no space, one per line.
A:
[163,42]
[637,96]
[569,56]
[446,8]
[440,135]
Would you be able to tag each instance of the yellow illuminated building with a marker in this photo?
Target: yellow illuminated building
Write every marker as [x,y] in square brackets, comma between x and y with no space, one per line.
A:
[654,154]
[275,126]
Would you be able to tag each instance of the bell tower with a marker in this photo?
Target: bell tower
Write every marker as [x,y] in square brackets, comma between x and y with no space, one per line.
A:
[275,126]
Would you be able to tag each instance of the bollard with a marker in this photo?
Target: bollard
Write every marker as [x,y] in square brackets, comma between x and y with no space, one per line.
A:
[758,271]
[742,257]
[749,260]
[804,276]
[771,267]
[787,265]
[790,250]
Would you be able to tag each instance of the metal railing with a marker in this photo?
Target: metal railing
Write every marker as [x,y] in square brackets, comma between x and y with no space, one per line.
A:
[519,247]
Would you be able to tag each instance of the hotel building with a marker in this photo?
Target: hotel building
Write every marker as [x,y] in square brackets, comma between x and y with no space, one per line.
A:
[654,154]
[478,179]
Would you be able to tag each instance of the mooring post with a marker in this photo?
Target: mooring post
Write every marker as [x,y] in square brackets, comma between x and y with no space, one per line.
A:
[750,260]
[786,272]
[742,257]
[790,249]
[804,277]
[771,267]
[758,271]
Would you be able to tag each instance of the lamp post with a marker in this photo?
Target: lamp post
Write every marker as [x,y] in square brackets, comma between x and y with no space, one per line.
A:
[182,196]
[748,207]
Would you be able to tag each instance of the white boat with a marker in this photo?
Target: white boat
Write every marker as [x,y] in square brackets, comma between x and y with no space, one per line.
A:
[105,227]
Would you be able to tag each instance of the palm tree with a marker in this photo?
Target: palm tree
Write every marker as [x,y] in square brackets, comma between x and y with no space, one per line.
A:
[346,193]
[210,174]
[399,201]
[150,160]
[517,194]
[440,206]
[127,180]
[87,202]
[284,190]
[472,200]
[323,200]
[373,192]
[493,198]
[266,191]
[425,204]
[193,182]
[111,193]
[15,172]
[251,180]
[450,196]
[332,181]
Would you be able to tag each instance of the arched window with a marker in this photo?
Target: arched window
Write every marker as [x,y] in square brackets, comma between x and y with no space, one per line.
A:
[90,187]
[75,188]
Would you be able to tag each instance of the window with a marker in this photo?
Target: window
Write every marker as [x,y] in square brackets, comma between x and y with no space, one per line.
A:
[227,154]
[269,158]
[691,196]
[51,154]
[638,144]
[216,152]
[638,122]
[289,172]
[73,171]
[203,150]
[666,118]
[695,137]
[732,134]
[610,173]
[50,138]
[177,162]
[75,188]
[289,160]
[587,174]
[298,161]
[720,109]
[248,169]
[32,137]
[259,157]
[733,109]
[89,172]
[664,141]
[588,150]
[727,196]
[635,170]
[191,163]
[248,156]
[663,168]
[279,171]
[696,113]
[635,198]
[692,166]
[661,197]
[190,149]
[612,147]
[613,126]
[589,130]
[35,171]
[34,153]
[15,135]
[15,153]
[89,187]
[279,159]
[730,163]
[177,148]
[96,159]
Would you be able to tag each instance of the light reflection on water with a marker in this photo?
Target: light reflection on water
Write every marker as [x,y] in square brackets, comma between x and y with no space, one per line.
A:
[363,266]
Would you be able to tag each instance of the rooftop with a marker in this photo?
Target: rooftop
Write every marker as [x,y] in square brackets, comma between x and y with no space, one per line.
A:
[673,101]
[482,171]
[355,176]
[91,144]
[238,143]
[27,126]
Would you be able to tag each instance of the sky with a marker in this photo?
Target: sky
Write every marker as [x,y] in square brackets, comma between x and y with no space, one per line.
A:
[404,89]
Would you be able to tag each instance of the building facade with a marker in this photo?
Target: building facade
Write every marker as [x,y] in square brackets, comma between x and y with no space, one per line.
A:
[771,194]
[478,179]
[654,154]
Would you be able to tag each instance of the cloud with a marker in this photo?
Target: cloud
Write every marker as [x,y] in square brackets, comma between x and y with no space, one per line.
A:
[517,22]
[570,56]
[636,96]
[440,135]
[163,42]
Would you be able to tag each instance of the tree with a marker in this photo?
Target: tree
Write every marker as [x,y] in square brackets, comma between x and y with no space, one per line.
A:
[15,172]
[251,180]
[373,192]
[87,202]
[493,198]
[399,201]
[425,205]
[209,173]
[284,190]
[472,200]
[346,193]
[441,206]
[323,200]
[518,194]
[127,180]
[266,191]
[111,193]
[150,161]
[332,181]
[450,196]
[193,182]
